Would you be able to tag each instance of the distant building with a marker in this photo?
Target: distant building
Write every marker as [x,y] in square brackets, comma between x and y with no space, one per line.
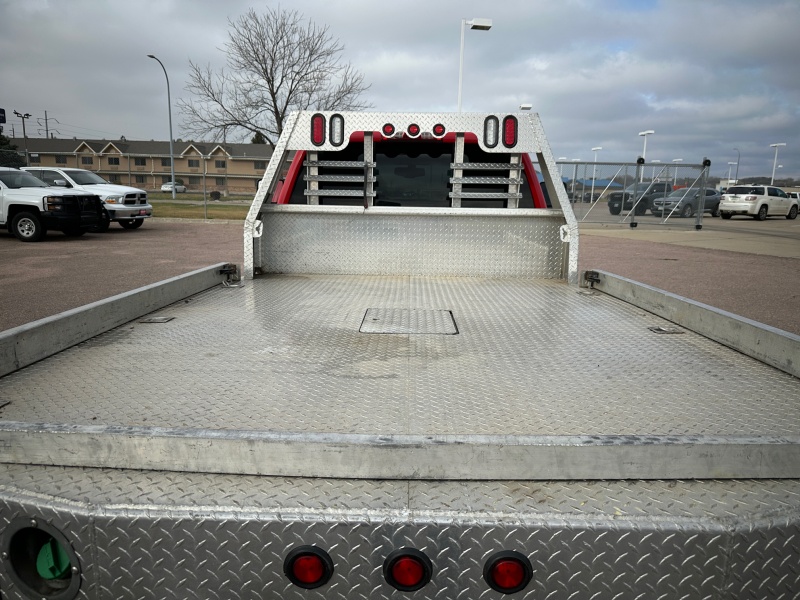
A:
[225,168]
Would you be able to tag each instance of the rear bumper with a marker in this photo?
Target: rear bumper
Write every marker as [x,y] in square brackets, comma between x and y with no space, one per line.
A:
[739,208]
[192,535]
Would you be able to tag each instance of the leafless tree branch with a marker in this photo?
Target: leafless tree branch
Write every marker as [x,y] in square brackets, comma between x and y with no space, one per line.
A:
[277,62]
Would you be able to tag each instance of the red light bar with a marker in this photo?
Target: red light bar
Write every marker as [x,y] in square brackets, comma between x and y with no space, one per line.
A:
[308,567]
[407,569]
[388,130]
[318,129]
[510,131]
[438,130]
[507,572]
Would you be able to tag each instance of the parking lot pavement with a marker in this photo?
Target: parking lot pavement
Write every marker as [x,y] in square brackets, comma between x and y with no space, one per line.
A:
[43,279]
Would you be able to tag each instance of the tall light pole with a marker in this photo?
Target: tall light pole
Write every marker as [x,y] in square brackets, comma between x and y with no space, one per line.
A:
[653,178]
[730,166]
[476,23]
[594,171]
[24,135]
[560,171]
[774,163]
[644,150]
[738,158]
[169,109]
[675,174]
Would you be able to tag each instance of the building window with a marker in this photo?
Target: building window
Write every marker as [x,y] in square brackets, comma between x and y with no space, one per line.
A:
[113,161]
[140,162]
[194,181]
[114,177]
[194,163]
[87,160]
[260,165]
[165,179]
[140,179]
[165,162]
[61,159]
[219,164]
[34,158]
[219,181]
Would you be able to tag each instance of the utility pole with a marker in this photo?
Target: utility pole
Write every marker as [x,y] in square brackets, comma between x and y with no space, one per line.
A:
[24,135]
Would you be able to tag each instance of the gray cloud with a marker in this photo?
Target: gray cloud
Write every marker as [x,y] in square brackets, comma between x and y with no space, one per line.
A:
[707,76]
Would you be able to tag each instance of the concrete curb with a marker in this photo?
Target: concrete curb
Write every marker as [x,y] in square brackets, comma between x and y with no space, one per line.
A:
[27,344]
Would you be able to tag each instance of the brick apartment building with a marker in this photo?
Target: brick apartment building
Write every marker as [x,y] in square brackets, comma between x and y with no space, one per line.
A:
[226,168]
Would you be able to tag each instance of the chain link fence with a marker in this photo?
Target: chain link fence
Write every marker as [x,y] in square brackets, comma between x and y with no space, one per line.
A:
[631,193]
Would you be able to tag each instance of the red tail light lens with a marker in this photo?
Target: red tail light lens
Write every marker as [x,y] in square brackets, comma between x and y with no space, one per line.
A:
[750,198]
[388,130]
[413,130]
[308,567]
[318,129]
[407,569]
[439,130]
[510,131]
[507,572]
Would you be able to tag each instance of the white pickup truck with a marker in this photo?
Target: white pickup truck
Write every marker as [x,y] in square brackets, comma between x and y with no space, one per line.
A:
[29,207]
[411,394]
[126,205]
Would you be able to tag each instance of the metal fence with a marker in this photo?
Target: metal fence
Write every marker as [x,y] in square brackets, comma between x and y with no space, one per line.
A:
[633,193]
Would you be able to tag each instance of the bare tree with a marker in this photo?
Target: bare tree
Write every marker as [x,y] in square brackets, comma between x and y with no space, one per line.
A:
[277,62]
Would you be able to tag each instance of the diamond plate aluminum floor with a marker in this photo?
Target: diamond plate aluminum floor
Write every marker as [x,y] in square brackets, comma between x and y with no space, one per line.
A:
[284,353]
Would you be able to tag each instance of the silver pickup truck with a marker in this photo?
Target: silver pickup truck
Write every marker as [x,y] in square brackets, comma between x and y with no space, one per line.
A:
[411,392]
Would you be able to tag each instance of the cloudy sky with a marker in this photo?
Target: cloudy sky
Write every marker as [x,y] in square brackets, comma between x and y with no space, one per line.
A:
[707,75]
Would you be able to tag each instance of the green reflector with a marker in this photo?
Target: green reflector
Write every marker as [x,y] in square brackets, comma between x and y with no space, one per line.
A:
[52,562]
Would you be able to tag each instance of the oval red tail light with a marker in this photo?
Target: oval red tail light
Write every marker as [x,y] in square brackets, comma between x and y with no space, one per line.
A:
[510,131]
[407,569]
[318,129]
[508,572]
[308,567]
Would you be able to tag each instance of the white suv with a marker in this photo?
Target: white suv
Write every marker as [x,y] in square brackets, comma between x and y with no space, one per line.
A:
[126,205]
[758,201]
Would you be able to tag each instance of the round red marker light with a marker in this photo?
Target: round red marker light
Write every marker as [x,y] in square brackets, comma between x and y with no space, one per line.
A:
[507,572]
[407,569]
[308,567]
[413,130]
[438,130]
[388,130]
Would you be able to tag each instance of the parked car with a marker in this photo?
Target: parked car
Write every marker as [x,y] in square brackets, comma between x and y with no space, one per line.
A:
[29,207]
[757,201]
[795,195]
[685,202]
[126,205]
[640,195]
[179,189]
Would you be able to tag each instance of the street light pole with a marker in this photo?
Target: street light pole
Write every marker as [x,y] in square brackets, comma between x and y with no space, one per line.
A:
[644,150]
[594,171]
[730,166]
[738,158]
[476,23]
[774,163]
[25,135]
[169,110]
[675,174]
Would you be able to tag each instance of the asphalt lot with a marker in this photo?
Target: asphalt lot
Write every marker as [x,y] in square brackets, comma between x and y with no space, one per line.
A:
[742,266]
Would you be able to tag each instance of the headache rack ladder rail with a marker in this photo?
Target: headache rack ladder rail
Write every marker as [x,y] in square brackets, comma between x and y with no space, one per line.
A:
[511,195]
[366,190]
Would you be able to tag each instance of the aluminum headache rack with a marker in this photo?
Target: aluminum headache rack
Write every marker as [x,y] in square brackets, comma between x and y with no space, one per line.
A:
[385,409]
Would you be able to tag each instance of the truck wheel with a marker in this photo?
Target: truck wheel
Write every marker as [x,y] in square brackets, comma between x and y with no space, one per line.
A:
[725,215]
[792,213]
[715,211]
[687,211]
[131,223]
[614,210]
[762,213]
[27,227]
[641,208]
